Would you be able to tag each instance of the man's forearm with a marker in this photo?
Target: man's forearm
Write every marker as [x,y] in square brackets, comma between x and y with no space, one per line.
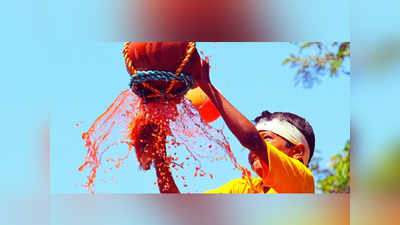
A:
[240,126]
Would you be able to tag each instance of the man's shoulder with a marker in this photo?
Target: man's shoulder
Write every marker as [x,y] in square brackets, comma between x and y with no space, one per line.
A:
[245,184]
[238,185]
[246,180]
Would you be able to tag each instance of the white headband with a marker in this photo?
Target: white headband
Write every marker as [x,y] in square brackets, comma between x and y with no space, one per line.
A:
[287,131]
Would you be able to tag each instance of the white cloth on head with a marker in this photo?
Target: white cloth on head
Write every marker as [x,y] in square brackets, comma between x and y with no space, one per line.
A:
[287,131]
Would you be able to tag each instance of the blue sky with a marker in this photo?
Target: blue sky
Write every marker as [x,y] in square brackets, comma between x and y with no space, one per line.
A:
[250,75]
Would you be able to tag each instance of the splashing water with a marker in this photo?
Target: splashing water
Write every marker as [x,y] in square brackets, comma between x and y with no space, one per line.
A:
[174,125]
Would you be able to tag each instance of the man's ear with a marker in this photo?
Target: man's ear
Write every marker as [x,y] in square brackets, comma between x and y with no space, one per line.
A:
[299,151]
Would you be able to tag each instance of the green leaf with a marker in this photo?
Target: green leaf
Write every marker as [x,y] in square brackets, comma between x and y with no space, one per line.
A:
[339,180]
[306,45]
[335,64]
[286,61]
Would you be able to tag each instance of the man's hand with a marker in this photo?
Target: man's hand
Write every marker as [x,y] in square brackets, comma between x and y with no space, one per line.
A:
[204,78]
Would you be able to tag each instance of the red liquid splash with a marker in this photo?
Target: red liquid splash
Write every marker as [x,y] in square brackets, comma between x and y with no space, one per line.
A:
[179,128]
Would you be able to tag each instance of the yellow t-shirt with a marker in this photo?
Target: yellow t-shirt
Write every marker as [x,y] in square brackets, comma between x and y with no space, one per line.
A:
[242,186]
[283,175]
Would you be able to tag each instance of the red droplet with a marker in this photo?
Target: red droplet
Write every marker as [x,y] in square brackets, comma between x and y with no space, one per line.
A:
[83,166]
[195,172]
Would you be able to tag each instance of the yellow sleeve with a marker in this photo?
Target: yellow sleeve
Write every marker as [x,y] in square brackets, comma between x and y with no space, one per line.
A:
[236,186]
[286,174]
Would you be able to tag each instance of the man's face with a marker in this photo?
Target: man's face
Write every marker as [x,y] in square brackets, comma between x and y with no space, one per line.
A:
[279,142]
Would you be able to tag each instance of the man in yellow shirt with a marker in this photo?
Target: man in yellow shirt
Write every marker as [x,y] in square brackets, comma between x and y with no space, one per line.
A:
[281,146]
[285,171]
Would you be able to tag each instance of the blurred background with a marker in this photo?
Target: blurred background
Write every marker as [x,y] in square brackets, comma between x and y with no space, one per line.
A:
[375,124]
[34,33]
